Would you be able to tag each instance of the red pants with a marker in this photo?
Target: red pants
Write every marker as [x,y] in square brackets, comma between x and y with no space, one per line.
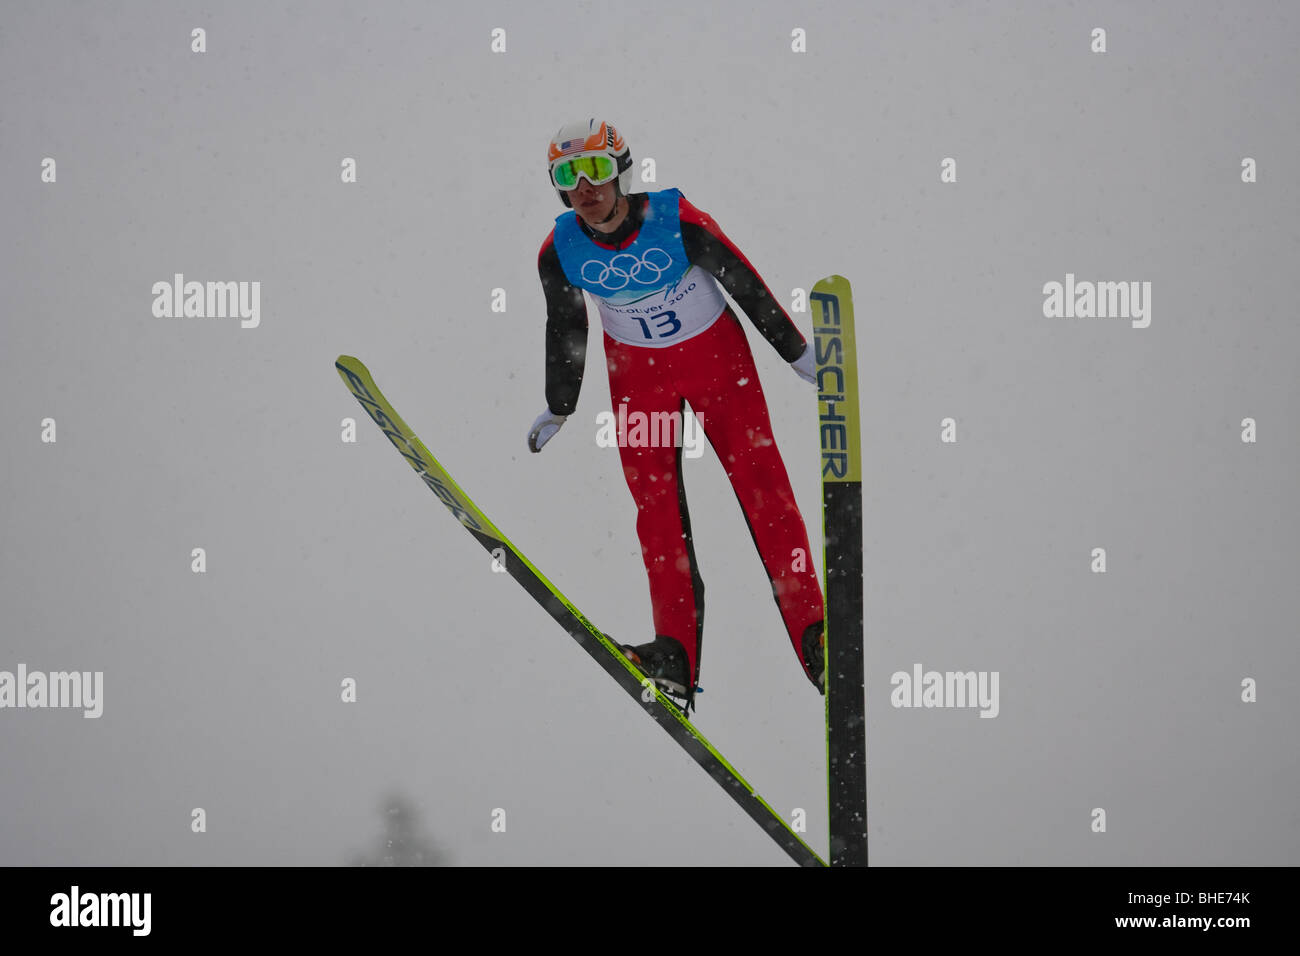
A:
[714,372]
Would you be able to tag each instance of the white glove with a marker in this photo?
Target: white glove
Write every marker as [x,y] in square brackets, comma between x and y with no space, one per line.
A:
[805,366]
[547,424]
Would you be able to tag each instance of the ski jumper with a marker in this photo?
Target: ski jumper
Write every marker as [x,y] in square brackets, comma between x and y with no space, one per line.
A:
[672,340]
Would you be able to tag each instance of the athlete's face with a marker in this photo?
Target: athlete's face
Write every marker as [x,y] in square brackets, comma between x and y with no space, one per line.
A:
[593,203]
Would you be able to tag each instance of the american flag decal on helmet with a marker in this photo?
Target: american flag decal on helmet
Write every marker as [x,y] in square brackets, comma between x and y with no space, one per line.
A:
[599,137]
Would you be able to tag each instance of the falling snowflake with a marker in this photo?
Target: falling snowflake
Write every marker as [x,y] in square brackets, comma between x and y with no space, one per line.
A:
[743,381]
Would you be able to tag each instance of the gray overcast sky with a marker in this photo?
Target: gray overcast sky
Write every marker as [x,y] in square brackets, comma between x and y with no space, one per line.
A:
[329,560]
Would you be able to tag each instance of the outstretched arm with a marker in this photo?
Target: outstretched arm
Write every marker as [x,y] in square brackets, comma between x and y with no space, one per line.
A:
[708,246]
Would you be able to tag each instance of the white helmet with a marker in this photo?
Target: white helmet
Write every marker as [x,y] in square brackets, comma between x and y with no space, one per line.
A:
[591,149]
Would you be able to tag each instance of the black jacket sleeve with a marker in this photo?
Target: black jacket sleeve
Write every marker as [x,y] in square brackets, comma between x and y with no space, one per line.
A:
[708,247]
[566,332]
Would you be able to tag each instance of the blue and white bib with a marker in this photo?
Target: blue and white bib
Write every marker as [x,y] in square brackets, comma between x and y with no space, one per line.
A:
[648,294]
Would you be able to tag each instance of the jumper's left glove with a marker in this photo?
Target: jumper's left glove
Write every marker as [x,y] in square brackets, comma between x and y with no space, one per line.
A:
[805,366]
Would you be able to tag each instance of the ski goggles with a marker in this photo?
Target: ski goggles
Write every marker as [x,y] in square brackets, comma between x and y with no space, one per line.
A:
[597,169]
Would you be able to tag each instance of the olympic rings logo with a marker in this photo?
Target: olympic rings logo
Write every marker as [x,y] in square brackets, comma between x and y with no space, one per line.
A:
[625,268]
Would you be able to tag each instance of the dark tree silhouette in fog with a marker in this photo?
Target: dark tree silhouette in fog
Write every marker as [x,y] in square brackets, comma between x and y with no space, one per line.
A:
[402,843]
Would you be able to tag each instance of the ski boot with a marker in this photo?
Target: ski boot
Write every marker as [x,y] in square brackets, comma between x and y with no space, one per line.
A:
[663,660]
[814,655]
